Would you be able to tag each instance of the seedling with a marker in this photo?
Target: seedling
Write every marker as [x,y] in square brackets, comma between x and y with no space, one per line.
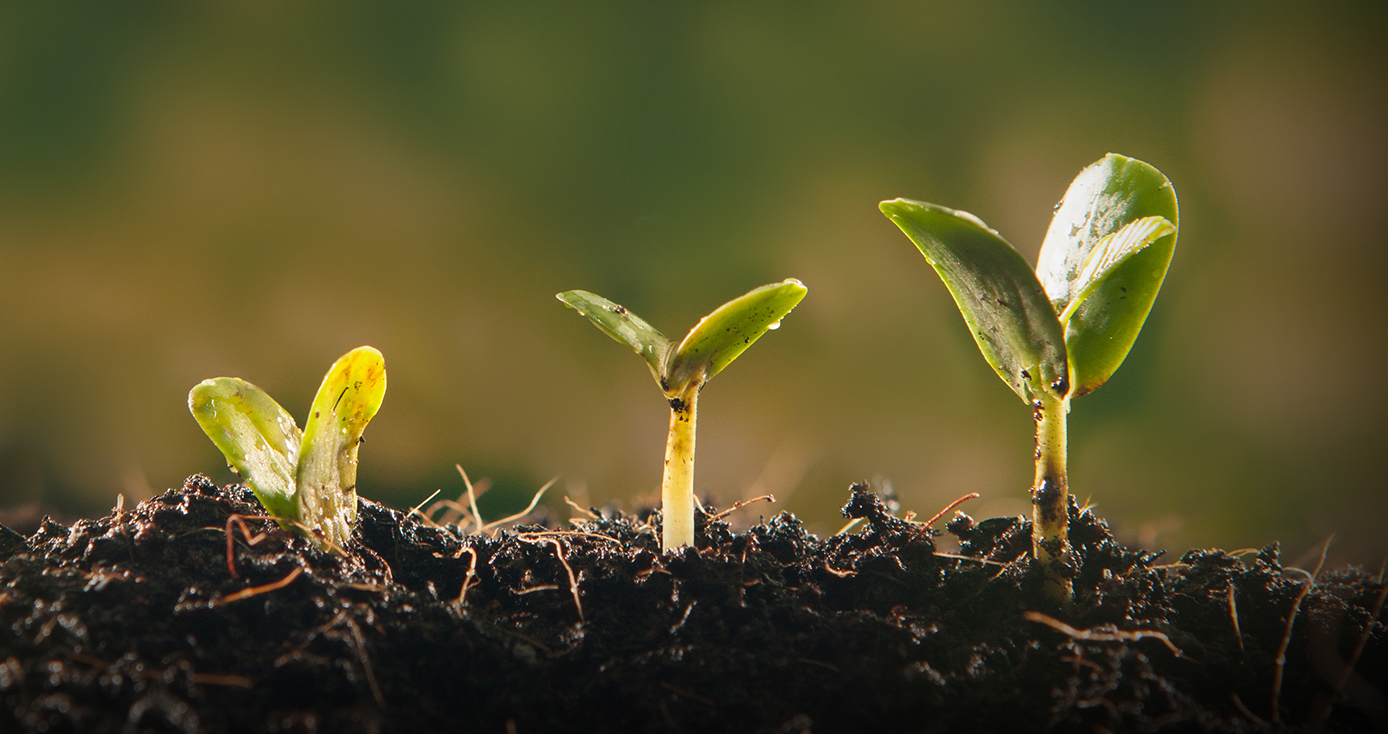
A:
[1059,332]
[307,480]
[683,369]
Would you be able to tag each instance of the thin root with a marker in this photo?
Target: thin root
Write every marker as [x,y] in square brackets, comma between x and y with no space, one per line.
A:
[951,506]
[455,511]
[374,588]
[573,580]
[415,510]
[1243,709]
[217,679]
[471,497]
[820,663]
[1281,664]
[533,502]
[743,503]
[975,559]
[257,590]
[566,533]
[366,663]
[358,645]
[1079,660]
[836,572]
[1363,640]
[1234,616]
[581,509]
[471,572]
[251,540]
[849,525]
[1098,636]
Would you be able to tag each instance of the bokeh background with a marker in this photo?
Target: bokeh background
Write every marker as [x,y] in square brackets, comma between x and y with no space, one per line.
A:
[194,189]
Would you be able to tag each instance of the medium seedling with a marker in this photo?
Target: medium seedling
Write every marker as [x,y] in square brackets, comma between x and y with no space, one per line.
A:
[683,369]
[307,480]
[1059,332]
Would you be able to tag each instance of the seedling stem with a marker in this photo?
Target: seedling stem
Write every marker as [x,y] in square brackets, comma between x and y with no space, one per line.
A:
[682,369]
[1050,493]
[677,486]
[1060,331]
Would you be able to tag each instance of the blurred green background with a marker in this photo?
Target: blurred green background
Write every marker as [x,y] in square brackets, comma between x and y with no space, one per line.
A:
[194,189]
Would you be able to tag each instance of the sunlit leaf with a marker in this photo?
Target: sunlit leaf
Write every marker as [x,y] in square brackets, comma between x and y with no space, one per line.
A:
[258,438]
[1106,259]
[995,289]
[624,326]
[1106,306]
[721,336]
[349,397]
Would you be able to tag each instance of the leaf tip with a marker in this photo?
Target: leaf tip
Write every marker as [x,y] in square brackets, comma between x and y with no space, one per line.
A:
[796,286]
[573,299]
[897,207]
[369,351]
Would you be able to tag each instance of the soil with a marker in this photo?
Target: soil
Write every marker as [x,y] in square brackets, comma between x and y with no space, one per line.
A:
[133,623]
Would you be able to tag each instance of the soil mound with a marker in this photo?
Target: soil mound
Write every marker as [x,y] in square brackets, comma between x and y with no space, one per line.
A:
[135,623]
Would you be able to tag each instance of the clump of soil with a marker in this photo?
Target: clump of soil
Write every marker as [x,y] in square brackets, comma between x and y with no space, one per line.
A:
[134,623]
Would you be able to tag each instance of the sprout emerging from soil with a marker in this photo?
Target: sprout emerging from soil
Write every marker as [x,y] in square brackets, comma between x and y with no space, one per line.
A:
[307,479]
[683,369]
[1059,332]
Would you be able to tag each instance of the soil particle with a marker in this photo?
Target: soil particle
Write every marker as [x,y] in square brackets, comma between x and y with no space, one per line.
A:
[133,623]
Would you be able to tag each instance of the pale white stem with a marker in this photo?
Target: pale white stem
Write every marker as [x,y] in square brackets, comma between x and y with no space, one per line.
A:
[677,488]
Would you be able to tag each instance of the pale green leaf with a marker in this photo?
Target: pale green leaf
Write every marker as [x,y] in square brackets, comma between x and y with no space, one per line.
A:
[1106,259]
[721,336]
[258,438]
[1106,305]
[624,326]
[1001,300]
[349,397]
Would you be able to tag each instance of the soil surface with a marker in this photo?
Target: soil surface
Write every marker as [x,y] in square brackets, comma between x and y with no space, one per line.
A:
[134,622]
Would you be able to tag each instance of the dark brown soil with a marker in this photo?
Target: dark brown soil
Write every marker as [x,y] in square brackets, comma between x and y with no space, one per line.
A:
[130,623]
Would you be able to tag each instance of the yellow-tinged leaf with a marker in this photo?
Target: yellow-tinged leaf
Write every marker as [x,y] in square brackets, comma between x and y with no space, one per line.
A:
[327,473]
[722,336]
[258,438]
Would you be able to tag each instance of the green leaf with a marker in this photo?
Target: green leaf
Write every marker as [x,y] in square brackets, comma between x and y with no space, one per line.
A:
[349,397]
[258,438]
[1101,268]
[1115,249]
[624,326]
[995,289]
[721,336]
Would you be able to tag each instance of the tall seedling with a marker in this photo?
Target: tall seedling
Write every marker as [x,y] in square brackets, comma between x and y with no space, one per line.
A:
[307,480]
[683,369]
[1059,332]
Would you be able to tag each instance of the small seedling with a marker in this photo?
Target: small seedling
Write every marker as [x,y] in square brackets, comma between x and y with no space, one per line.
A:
[307,480]
[683,369]
[1059,332]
